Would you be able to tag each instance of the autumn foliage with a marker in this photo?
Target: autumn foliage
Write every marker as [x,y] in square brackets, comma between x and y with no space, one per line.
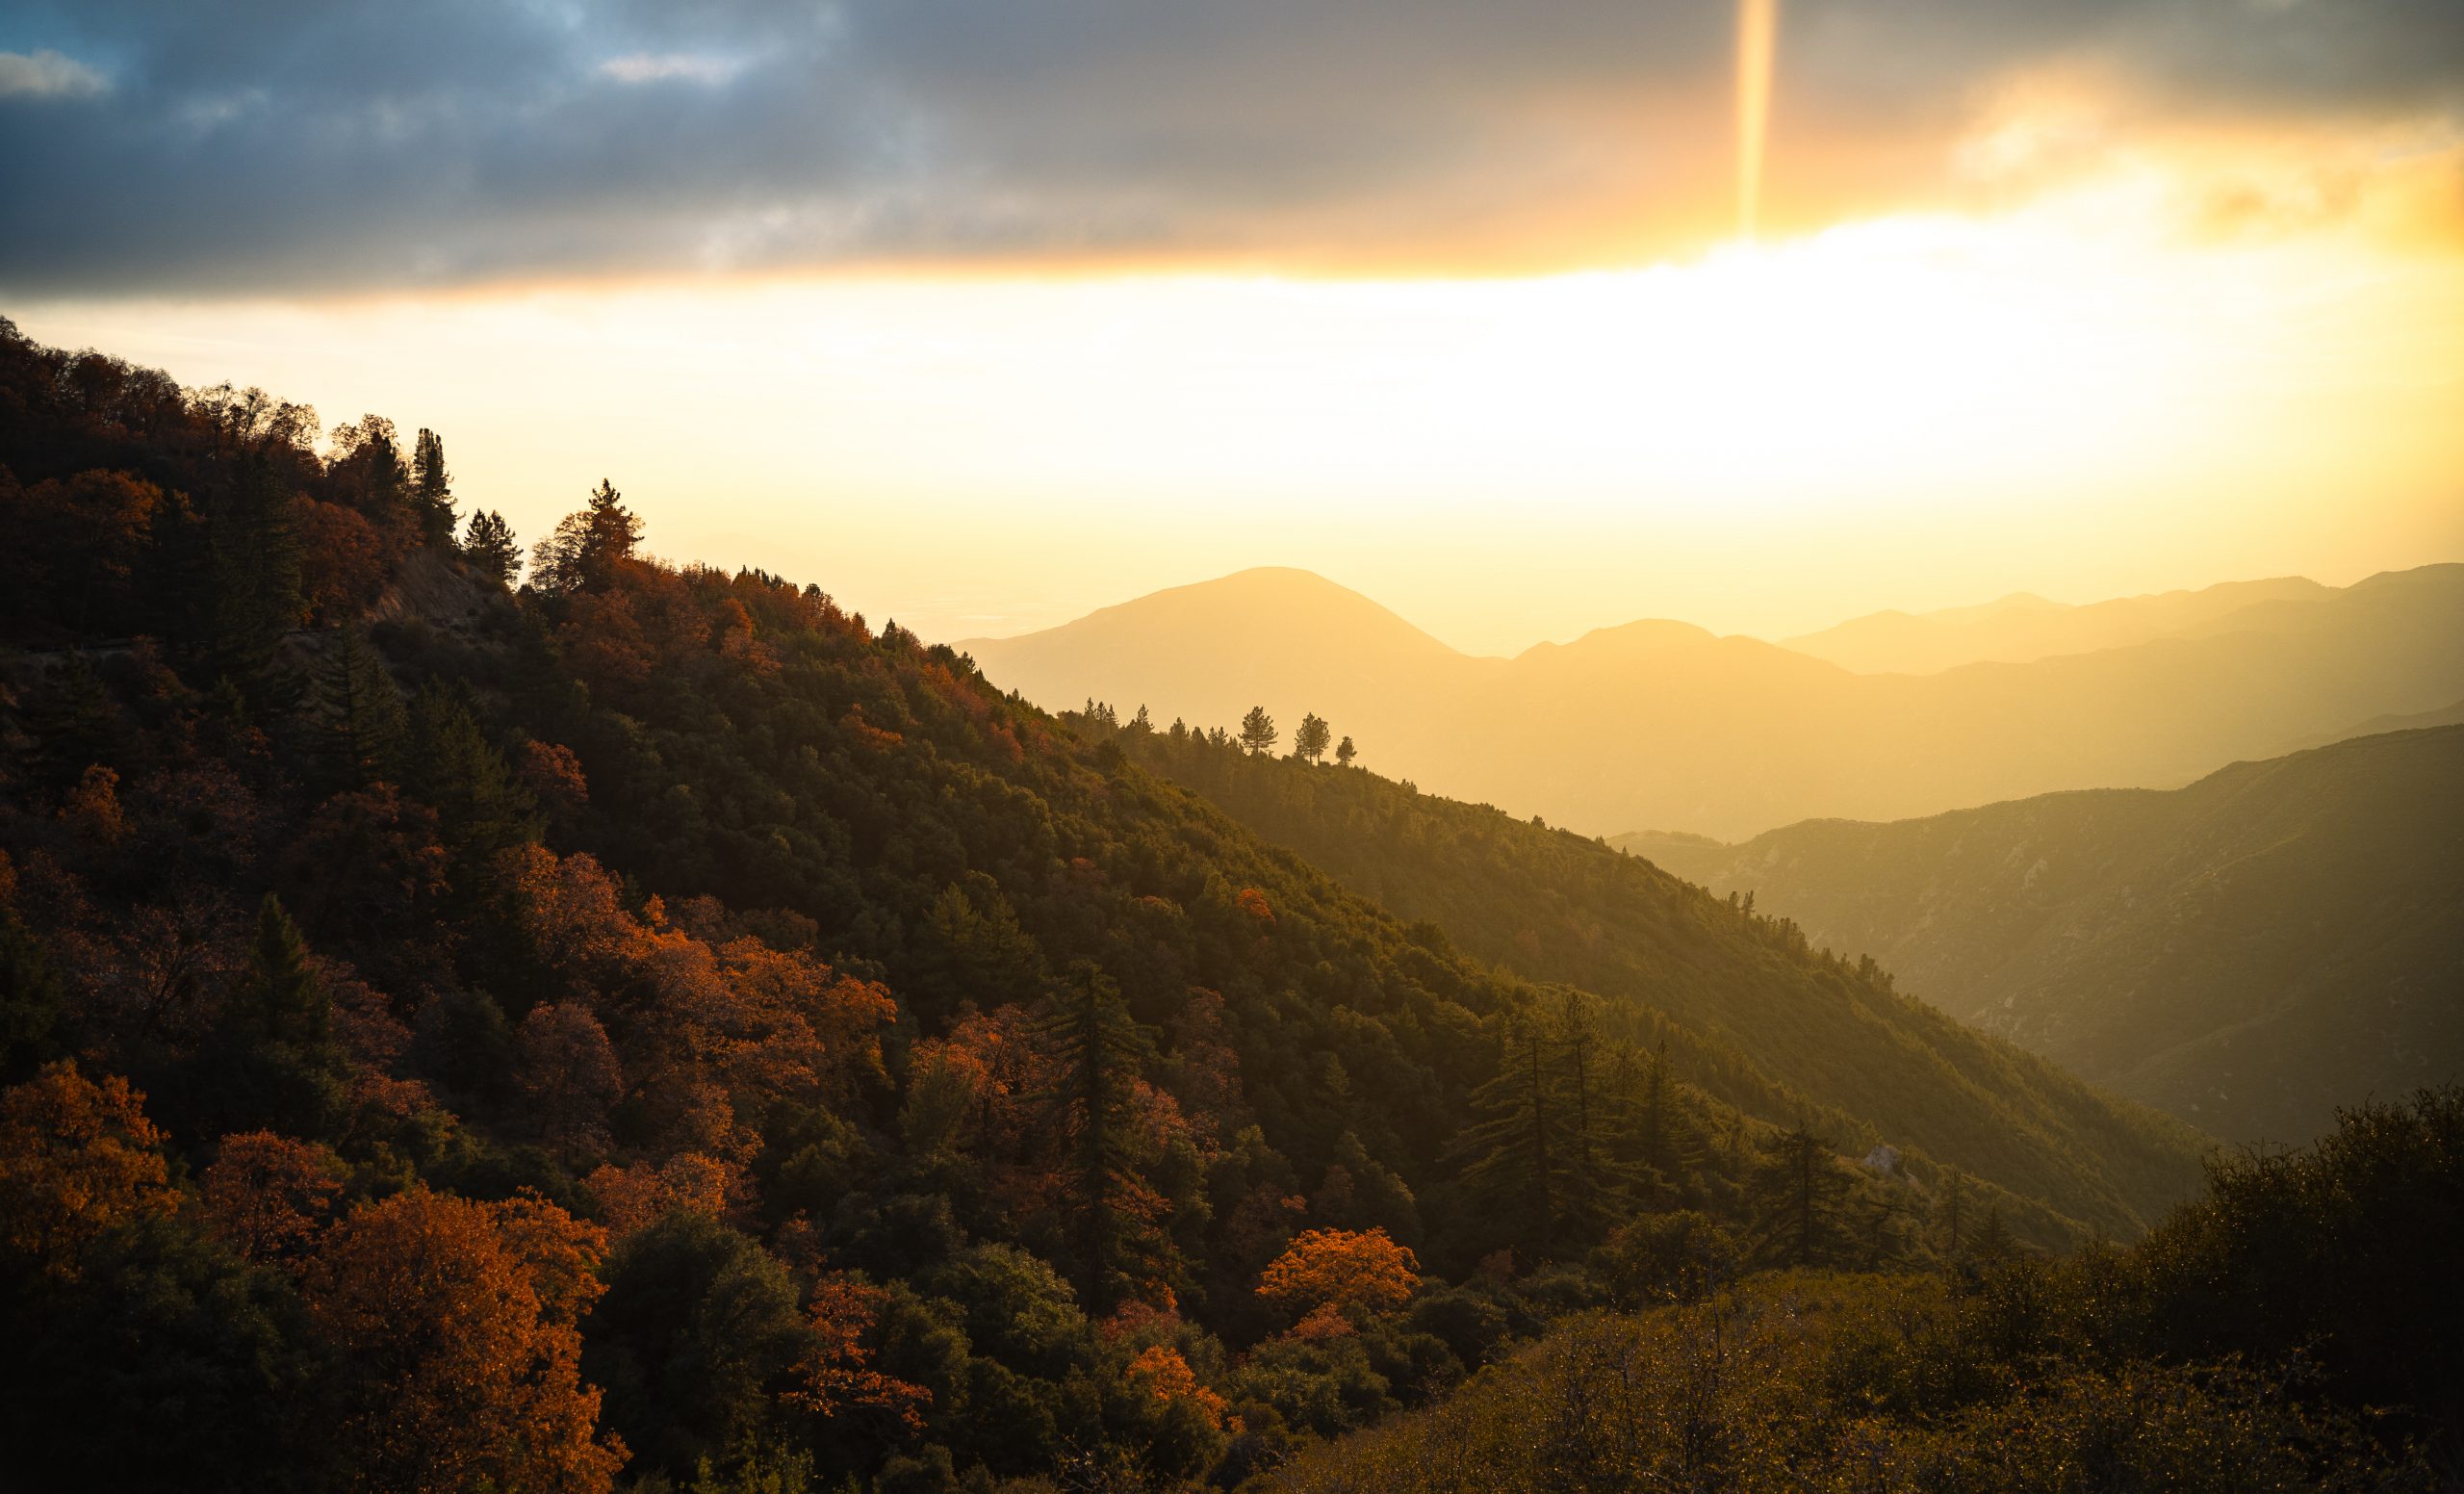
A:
[1359,1275]
[77,1158]
[456,1323]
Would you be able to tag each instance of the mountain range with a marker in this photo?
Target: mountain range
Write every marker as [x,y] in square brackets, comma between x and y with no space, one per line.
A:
[2249,952]
[1665,724]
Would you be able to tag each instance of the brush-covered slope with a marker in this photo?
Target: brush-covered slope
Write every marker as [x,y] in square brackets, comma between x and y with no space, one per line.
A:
[2249,952]
[1659,723]
[1760,1018]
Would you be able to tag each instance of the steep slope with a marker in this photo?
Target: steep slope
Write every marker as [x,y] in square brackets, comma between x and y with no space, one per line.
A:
[1756,1016]
[2249,952]
[1658,723]
[2020,627]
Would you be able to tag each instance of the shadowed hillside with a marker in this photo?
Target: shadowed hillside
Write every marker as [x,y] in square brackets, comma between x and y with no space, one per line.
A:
[2249,952]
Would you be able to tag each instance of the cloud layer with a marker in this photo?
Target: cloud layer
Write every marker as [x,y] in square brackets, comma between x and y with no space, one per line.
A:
[190,146]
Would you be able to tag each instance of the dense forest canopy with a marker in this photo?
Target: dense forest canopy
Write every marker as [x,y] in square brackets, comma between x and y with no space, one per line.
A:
[651,1028]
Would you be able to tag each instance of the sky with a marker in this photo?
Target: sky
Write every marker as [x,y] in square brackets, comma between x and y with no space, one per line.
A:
[984,315]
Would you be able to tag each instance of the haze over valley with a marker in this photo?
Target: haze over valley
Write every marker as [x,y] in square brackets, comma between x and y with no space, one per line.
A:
[1659,724]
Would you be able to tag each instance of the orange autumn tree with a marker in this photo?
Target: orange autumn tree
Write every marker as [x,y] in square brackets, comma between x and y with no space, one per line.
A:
[836,1372]
[78,1158]
[1331,1277]
[1161,1372]
[455,1327]
[268,1195]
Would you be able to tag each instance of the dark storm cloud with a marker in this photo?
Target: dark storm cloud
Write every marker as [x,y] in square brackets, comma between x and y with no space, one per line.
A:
[192,144]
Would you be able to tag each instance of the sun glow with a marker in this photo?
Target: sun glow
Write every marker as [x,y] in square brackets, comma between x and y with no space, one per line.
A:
[1878,399]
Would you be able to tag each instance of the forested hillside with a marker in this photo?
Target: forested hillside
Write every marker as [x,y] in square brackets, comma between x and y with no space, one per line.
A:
[2249,953]
[653,1027]
[1745,1006]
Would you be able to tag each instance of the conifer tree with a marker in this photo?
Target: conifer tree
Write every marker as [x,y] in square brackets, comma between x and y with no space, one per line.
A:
[1257,731]
[255,551]
[1110,1207]
[361,725]
[1517,1150]
[291,1006]
[480,807]
[1310,741]
[1798,1204]
[489,548]
[431,489]
[1345,752]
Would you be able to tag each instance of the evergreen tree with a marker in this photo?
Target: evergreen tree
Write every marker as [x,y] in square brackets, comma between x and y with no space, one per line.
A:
[255,547]
[432,490]
[588,546]
[361,725]
[1798,1201]
[1345,752]
[1517,1150]
[1310,741]
[32,999]
[289,998]
[1257,731]
[480,807]
[489,548]
[1110,1226]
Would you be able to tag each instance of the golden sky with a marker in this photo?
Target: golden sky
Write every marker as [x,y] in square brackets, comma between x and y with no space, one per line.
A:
[2054,299]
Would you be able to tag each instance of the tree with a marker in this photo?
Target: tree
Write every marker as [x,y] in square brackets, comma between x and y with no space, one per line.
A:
[588,548]
[1517,1150]
[78,1159]
[480,807]
[432,490]
[1111,1208]
[254,542]
[33,997]
[1798,1193]
[1360,1273]
[1257,731]
[361,725]
[1345,752]
[1310,741]
[268,1195]
[456,1350]
[571,1076]
[489,547]
[836,1374]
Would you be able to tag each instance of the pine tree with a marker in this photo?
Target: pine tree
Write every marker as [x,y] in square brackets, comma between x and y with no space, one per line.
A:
[290,1003]
[1517,1150]
[1310,741]
[489,548]
[1797,1195]
[1345,752]
[361,725]
[1110,1206]
[480,808]
[255,548]
[1257,731]
[432,490]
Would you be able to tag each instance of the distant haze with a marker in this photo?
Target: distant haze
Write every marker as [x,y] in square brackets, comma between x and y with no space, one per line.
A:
[1662,725]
